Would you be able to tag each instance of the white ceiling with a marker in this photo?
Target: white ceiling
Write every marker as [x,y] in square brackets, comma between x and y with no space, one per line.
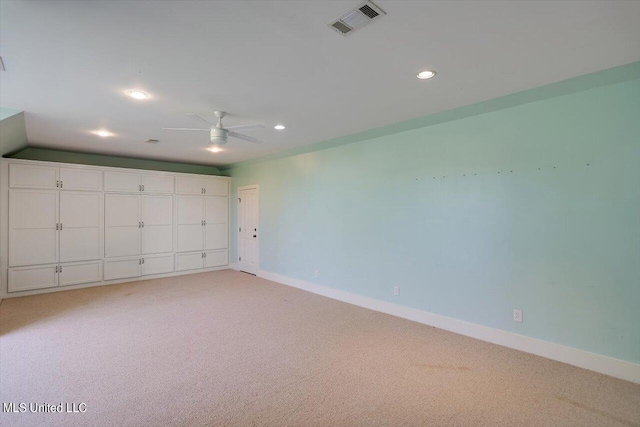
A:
[69,63]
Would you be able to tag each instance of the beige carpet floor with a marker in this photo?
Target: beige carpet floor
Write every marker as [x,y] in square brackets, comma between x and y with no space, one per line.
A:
[227,348]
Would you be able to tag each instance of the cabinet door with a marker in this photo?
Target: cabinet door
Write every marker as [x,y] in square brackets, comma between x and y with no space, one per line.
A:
[33,229]
[80,226]
[189,223]
[157,224]
[122,268]
[35,277]
[157,264]
[216,186]
[216,258]
[31,176]
[216,228]
[122,225]
[157,183]
[80,179]
[189,185]
[190,261]
[122,181]
[80,272]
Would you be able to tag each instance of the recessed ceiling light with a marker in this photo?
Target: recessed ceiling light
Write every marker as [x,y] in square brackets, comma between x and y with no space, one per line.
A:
[137,94]
[214,149]
[279,127]
[427,74]
[102,133]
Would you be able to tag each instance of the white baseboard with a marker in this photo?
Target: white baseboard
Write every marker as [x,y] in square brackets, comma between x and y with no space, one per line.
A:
[572,356]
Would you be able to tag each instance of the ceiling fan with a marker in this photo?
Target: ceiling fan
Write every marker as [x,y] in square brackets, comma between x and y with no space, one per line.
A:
[219,134]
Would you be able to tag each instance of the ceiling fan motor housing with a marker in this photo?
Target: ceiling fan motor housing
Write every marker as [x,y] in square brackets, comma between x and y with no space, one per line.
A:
[219,136]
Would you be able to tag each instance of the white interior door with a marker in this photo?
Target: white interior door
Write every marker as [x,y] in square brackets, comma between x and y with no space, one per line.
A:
[80,226]
[122,225]
[157,224]
[248,237]
[216,228]
[190,223]
[33,227]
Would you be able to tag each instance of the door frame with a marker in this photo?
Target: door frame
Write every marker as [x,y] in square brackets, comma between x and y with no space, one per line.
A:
[248,187]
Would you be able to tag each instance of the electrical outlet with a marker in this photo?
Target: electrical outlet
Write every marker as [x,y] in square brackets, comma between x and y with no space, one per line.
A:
[396,290]
[517,316]
[317,273]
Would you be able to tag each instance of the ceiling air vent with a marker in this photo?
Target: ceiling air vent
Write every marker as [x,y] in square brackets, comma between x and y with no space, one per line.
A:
[152,141]
[356,18]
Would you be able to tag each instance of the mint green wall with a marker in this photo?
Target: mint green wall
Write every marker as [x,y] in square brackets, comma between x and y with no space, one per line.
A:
[44,154]
[535,207]
[8,112]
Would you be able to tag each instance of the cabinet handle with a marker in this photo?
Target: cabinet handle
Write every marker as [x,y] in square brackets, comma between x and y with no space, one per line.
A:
[205,222]
[139,261]
[143,260]
[56,225]
[142,187]
[61,184]
[143,222]
[205,254]
[57,185]
[56,268]
[205,191]
[60,226]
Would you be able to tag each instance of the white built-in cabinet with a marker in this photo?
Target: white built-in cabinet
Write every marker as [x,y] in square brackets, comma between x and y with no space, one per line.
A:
[201,185]
[137,225]
[75,224]
[130,182]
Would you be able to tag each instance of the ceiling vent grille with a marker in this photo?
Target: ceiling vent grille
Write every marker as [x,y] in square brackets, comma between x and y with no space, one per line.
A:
[356,18]
[152,141]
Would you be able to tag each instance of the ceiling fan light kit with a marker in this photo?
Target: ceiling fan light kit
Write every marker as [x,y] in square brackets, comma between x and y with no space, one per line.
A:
[218,134]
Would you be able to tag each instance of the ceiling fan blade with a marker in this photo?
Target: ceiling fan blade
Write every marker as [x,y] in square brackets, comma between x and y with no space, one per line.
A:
[205,130]
[245,137]
[197,117]
[244,127]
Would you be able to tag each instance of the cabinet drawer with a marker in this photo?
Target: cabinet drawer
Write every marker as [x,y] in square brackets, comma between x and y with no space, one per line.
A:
[80,272]
[157,264]
[189,261]
[34,277]
[216,258]
[121,268]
